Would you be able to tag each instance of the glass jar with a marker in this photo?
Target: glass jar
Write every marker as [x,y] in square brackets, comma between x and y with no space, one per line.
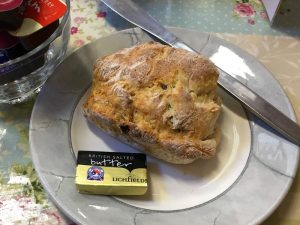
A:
[27,73]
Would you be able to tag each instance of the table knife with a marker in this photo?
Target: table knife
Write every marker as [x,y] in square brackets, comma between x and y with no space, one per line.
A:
[249,99]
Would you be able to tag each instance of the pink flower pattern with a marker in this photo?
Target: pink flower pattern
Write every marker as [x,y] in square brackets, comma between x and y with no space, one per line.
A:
[74,30]
[263,15]
[248,9]
[101,14]
[244,9]
[79,43]
[79,20]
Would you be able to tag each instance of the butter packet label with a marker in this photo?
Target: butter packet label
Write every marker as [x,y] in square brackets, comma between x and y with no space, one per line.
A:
[111,173]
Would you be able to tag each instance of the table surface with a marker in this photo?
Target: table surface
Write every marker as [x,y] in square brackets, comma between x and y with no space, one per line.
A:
[22,198]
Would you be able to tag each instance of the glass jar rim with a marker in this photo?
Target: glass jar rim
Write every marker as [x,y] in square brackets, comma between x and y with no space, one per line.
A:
[55,34]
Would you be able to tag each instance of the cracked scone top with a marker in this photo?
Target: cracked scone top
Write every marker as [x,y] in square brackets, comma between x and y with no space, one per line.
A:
[158,99]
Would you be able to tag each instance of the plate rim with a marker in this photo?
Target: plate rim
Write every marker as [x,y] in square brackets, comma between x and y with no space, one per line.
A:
[69,214]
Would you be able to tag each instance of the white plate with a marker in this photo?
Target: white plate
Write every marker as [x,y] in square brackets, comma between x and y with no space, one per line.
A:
[243,184]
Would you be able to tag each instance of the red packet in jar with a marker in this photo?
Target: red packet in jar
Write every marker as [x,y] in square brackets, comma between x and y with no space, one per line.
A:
[39,14]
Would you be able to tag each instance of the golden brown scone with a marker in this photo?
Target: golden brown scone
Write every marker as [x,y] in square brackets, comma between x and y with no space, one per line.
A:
[158,99]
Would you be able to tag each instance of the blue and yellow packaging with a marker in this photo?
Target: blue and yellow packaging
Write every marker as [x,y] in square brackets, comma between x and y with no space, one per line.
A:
[111,173]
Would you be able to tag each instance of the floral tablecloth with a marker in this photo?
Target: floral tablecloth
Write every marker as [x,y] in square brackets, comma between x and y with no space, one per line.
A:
[243,22]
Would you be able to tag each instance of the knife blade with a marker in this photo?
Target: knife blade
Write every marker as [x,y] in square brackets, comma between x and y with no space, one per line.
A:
[249,99]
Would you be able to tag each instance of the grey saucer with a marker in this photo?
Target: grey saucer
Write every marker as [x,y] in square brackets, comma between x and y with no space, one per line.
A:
[261,169]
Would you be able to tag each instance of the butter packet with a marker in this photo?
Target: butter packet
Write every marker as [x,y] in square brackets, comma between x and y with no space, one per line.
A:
[111,173]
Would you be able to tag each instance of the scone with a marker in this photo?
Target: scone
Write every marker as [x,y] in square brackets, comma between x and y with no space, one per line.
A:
[158,99]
